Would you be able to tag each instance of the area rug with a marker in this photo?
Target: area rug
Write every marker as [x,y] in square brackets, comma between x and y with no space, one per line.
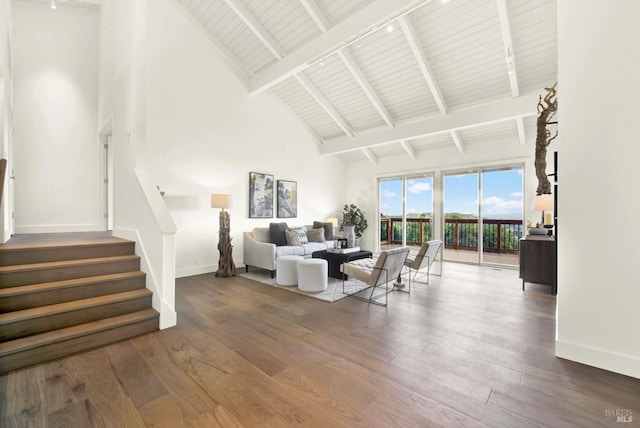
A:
[333,293]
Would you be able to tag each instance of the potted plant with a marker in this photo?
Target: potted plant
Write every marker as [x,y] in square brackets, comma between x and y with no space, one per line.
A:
[352,216]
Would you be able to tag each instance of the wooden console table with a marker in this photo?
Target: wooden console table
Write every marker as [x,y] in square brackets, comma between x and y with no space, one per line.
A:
[538,261]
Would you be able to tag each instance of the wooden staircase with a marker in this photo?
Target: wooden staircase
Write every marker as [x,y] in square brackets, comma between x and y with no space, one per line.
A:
[65,293]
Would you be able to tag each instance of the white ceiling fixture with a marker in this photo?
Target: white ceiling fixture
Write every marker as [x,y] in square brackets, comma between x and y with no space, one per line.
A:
[505,27]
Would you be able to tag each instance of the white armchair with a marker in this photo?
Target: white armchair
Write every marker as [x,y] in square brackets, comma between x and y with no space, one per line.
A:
[376,272]
[422,259]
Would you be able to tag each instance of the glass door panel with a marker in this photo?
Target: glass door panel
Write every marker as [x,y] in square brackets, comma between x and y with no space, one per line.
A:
[419,211]
[391,213]
[501,215]
[460,197]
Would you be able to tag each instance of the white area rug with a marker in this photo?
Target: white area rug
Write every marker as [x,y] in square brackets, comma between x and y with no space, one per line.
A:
[333,292]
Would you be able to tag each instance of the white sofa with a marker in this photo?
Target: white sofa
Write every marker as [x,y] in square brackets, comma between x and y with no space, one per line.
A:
[260,252]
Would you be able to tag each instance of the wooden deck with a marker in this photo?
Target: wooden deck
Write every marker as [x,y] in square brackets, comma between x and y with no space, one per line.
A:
[472,256]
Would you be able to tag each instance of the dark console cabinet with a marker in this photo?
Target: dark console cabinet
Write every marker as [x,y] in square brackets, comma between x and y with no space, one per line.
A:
[538,262]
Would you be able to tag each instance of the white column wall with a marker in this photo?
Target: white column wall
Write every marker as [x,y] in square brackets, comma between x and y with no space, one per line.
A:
[57,151]
[599,104]
[6,114]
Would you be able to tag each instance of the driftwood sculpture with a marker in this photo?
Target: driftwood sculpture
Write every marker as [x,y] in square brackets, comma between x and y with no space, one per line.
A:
[226,267]
[547,108]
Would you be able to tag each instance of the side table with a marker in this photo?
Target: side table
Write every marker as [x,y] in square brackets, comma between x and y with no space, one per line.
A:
[538,261]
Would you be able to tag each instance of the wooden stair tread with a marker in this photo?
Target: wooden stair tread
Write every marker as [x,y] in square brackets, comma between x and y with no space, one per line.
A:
[67,333]
[74,305]
[63,293]
[65,263]
[46,286]
[56,240]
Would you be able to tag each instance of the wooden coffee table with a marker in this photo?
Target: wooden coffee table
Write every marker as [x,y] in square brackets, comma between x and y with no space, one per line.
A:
[335,260]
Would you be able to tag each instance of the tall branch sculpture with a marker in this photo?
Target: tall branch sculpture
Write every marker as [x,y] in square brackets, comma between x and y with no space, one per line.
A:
[547,108]
[226,267]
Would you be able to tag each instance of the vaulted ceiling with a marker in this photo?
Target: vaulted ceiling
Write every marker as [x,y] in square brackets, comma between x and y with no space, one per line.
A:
[376,78]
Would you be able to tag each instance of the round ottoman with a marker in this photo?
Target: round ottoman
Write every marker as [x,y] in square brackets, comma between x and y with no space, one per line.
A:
[287,270]
[312,275]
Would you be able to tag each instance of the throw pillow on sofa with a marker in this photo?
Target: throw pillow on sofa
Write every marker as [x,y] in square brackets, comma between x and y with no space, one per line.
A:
[278,235]
[297,236]
[328,229]
[316,235]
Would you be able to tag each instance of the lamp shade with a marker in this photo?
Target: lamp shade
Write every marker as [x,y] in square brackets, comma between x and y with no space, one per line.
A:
[542,203]
[333,221]
[223,201]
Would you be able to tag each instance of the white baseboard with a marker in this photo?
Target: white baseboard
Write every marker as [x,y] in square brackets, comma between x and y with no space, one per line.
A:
[168,316]
[200,270]
[607,360]
[57,228]
[196,270]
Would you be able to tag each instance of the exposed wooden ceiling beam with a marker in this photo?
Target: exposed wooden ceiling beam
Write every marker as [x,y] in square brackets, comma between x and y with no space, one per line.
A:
[295,117]
[245,15]
[316,14]
[505,28]
[324,103]
[457,140]
[423,63]
[370,155]
[406,145]
[372,15]
[495,111]
[321,21]
[236,66]
[366,87]
[254,25]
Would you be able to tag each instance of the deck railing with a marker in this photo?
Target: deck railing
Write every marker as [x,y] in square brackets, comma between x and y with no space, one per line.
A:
[499,236]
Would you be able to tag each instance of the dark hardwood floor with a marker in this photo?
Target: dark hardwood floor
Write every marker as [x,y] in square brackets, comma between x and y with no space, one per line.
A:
[469,349]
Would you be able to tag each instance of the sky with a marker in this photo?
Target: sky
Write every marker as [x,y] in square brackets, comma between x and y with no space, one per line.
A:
[502,194]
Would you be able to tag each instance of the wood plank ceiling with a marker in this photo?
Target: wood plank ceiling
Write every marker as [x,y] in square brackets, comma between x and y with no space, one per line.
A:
[377,78]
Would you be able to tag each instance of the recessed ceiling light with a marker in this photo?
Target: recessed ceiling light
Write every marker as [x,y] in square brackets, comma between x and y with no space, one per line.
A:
[53,4]
[389,27]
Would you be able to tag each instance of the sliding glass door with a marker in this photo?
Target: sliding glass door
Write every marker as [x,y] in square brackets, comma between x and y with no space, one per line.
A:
[489,197]
[501,215]
[461,216]
[406,210]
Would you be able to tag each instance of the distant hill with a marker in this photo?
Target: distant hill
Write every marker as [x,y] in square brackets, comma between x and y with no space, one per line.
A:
[505,216]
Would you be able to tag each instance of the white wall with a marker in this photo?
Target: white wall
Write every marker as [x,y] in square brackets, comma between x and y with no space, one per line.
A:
[205,134]
[599,104]
[363,175]
[56,100]
[6,114]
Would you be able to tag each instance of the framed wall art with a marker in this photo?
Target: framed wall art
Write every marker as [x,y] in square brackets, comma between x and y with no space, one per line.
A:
[287,199]
[260,195]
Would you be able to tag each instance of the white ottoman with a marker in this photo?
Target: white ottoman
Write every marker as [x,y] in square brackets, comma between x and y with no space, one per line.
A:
[312,275]
[287,270]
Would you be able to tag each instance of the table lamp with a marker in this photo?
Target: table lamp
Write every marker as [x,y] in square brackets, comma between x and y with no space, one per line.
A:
[544,203]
